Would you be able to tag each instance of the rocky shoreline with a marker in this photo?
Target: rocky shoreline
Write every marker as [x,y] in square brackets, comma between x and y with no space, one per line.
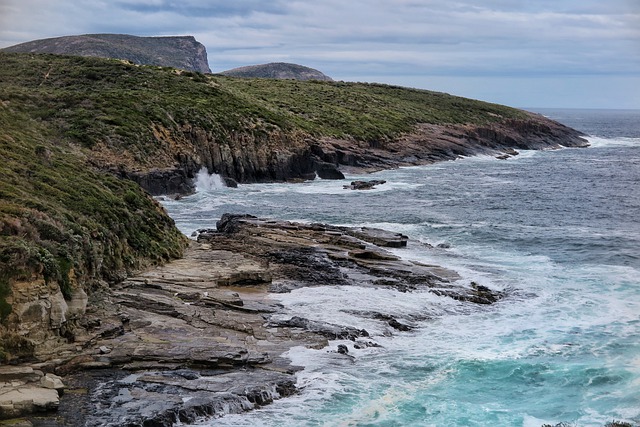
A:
[286,158]
[203,336]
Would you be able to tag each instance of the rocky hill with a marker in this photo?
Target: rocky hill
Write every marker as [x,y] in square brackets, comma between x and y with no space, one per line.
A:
[182,52]
[77,136]
[278,70]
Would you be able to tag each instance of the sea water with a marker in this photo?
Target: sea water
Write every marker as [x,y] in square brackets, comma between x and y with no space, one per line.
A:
[558,231]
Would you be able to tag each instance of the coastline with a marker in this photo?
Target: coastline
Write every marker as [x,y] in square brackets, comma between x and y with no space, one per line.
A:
[200,337]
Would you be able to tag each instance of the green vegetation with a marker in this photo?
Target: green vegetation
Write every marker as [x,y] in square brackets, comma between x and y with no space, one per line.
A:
[65,121]
[61,219]
[361,110]
[92,100]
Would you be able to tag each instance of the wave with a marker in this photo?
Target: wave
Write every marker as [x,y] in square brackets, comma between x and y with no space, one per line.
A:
[208,182]
[597,142]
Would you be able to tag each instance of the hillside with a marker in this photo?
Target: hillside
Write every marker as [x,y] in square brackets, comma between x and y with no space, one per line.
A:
[278,70]
[73,129]
[182,52]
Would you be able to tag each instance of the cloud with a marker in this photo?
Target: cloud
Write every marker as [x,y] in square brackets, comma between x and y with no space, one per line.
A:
[381,39]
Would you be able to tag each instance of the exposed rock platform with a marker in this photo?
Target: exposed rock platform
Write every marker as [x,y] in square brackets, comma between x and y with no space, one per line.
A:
[204,335]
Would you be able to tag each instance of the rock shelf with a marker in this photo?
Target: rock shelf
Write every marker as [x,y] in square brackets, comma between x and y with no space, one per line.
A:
[202,336]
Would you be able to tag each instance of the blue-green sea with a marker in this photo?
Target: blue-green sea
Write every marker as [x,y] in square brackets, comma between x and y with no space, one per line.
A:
[558,231]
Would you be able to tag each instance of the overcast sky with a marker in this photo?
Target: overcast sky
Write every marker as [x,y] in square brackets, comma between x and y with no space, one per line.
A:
[524,53]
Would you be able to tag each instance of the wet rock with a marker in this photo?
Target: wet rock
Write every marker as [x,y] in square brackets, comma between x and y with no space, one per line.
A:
[483,295]
[230,182]
[328,171]
[364,185]
[343,349]
[399,326]
[328,330]
[362,344]
[200,336]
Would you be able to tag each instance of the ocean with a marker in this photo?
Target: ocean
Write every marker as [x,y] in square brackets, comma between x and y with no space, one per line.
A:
[558,231]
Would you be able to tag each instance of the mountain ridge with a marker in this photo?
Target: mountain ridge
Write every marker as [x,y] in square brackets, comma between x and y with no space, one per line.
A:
[278,70]
[183,52]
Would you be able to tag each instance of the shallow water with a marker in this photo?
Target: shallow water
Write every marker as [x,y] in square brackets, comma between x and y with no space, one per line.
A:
[557,230]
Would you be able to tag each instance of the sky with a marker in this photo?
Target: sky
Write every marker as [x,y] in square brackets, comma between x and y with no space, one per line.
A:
[522,53]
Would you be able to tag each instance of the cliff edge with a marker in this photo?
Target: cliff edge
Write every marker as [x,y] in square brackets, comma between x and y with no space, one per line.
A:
[183,52]
[79,133]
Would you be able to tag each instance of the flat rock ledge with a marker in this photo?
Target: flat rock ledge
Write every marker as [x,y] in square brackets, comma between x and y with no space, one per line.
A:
[203,336]
[24,391]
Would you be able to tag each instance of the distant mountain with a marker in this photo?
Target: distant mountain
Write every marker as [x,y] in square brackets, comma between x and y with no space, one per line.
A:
[278,70]
[183,52]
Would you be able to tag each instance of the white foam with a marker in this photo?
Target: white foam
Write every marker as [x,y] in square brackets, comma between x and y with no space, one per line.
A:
[597,142]
[208,182]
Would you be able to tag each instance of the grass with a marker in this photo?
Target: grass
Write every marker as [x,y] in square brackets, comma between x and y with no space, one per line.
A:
[60,218]
[66,121]
[96,101]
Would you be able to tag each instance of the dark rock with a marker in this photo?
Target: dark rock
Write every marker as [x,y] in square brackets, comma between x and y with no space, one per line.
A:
[379,237]
[391,320]
[364,185]
[162,182]
[328,171]
[444,245]
[230,182]
[484,295]
[362,344]
[328,330]
[399,326]
[343,349]
[230,223]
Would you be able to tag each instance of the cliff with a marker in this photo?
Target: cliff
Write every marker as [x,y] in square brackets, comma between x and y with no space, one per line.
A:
[278,70]
[77,131]
[182,52]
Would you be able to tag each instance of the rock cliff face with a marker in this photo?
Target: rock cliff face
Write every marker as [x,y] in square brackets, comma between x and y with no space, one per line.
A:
[278,70]
[182,52]
[280,156]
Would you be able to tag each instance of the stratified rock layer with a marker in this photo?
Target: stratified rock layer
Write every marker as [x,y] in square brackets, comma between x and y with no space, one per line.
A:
[200,336]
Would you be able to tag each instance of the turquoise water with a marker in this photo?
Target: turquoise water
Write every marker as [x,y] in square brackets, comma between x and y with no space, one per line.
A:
[558,231]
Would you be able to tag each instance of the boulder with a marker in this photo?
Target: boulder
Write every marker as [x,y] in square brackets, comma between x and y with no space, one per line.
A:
[52,381]
[364,185]
[328,171]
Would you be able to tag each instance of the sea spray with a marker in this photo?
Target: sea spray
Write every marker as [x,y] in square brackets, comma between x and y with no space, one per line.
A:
[555,230]
[208,182]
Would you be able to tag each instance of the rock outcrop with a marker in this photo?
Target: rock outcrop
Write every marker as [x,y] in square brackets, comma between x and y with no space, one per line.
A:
[74,225]
[364,185]
[25,391]
[278,70]
[279,156]
[183,52]
[200,336]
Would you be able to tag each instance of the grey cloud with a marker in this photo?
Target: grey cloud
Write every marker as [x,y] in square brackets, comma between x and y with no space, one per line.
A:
[204,8]
[384,38]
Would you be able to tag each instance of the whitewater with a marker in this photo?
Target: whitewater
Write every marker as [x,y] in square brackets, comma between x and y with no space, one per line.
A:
[557,231]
